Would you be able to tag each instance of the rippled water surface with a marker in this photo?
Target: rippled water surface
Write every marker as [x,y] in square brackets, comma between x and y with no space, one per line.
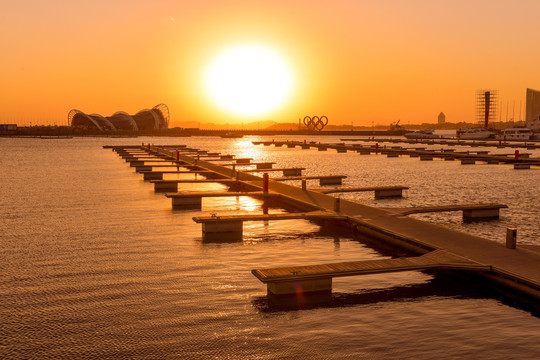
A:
[97,265]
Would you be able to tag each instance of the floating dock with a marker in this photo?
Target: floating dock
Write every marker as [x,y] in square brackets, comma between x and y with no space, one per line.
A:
[456,142]
[509,266]
[381,192]
[316,278]
[194,199]
[520,160]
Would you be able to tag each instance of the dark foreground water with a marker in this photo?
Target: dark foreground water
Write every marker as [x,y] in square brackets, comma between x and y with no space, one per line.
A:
[95,265]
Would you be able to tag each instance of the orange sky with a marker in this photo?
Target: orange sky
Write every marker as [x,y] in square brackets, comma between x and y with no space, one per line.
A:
[358,61]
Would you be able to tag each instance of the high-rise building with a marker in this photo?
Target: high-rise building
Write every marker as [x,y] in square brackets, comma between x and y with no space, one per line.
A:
[532,106]
[441,118]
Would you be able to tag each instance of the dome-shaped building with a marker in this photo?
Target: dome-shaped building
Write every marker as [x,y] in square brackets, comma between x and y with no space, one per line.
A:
[148,119]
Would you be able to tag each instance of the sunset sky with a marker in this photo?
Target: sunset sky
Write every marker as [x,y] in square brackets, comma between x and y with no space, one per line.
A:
[356,61]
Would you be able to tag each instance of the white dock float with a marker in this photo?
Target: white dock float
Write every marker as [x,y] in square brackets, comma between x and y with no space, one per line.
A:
[295,280]
[158,175]
[470,211]
[264,165]
[286,171]
[230,228]
[193,200]
[142,168]
[521,166]
[258,165]
[323,180]
[381,192]
[135,163]
[172,185]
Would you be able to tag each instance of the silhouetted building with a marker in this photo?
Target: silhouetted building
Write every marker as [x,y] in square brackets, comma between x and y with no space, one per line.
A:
[441,119]
[532,106]
[8,127]
[148,119]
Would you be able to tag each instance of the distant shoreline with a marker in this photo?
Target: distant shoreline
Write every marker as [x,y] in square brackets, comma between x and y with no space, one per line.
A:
[176,132]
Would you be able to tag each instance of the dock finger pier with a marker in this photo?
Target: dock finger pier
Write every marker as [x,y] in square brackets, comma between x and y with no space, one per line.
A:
[508,267]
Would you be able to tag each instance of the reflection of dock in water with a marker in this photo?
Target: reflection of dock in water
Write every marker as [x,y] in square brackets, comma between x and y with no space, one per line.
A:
[508,266]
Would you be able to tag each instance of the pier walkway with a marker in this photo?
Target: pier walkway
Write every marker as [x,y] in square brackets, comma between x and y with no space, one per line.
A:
[520,160]
[456,142]
[284,280]
[470,211]
[516,268]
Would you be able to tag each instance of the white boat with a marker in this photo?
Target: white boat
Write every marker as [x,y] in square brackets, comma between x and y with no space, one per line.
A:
[535,127]
[475,133]
[517,133]
[422,134]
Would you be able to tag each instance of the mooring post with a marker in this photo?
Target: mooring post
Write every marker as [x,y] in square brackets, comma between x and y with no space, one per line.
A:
[337,204]
[511,237]
[304,185]
[265,183]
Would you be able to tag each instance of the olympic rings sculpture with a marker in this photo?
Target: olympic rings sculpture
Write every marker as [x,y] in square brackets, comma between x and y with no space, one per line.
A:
[315,122]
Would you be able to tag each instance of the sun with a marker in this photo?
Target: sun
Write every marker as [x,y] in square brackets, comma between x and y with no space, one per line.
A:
[249,80]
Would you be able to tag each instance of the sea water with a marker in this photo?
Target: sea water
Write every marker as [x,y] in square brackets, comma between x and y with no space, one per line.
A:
[94,264]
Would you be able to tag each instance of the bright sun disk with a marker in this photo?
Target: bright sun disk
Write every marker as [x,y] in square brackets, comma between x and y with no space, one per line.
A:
[248,80]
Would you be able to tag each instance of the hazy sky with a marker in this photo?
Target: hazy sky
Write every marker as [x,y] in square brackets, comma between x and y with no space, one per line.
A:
[352,60]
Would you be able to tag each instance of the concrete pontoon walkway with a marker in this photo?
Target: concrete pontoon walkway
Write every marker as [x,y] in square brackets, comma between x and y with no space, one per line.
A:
[518,269]
[287,280]
[466,157]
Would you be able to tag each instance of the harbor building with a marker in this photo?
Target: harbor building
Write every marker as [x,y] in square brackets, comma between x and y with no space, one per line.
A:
[147,119]
[532,107]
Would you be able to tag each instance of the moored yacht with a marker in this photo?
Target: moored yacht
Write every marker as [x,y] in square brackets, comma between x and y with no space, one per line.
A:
[517,133]
[535,127]
[475,134]
[422,134]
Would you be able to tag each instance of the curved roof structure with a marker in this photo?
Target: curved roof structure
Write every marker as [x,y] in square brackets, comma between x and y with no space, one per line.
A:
[147,119]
